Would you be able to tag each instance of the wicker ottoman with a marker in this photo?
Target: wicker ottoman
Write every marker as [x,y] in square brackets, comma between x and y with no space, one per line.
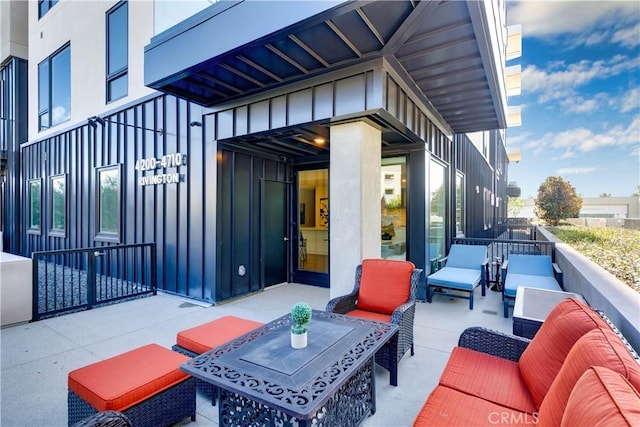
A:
[146,384]
[202,338]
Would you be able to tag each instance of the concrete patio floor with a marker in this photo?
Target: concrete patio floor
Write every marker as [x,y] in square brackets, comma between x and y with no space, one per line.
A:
[36,357]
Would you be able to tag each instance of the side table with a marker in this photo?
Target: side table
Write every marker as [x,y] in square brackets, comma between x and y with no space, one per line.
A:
[532,306]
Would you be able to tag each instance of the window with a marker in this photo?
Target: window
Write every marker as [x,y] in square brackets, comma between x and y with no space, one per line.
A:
[117,51]
[393,201]
[44,6]
[459,205]
[108,209]
[35,197]
[437,209]
[58,205]
[54,89]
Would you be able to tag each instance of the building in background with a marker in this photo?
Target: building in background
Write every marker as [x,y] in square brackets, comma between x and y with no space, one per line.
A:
[255,151]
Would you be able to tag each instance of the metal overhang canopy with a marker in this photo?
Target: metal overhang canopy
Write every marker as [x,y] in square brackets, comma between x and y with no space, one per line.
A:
[237,48]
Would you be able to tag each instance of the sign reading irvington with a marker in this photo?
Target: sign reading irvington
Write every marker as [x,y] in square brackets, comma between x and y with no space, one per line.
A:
[174,160]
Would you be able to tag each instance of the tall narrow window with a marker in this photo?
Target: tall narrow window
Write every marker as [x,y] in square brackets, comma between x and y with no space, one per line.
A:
[459,205]
[393,202]
[437,209]
[35,196]
[58,205]
[117,51]
[108,209]
[54,89]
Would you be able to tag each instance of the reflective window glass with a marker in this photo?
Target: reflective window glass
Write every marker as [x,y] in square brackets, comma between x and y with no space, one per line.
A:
[117,51]
[393,202]
[58,203]
[35,195]
[109,202]
[437,209]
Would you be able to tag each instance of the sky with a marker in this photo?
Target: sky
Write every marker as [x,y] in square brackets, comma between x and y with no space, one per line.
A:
[580,96]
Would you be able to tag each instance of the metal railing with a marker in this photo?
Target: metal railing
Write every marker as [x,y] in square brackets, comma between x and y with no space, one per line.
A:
[78,279]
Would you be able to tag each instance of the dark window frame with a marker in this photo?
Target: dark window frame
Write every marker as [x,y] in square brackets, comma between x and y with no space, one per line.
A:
[108,236]
[58,232]
[30,228]
[121,72]
[47,110]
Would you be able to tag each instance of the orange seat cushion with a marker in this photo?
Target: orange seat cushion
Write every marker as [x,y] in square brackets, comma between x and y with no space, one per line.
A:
[125,380]
[602,397]
[207,336]
[540,362]
[492,378]
[600,347]
[369,315]
[384,285]
[449,407]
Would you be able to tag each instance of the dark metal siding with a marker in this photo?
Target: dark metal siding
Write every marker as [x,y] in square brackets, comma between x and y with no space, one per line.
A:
[172,215]
[13,132]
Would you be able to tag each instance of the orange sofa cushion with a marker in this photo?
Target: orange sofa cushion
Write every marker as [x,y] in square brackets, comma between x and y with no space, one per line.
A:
[543,357]
[600,347]
[370,315]
[384,285]
[492,378]
[123,381]
[602,397]
[207,336]
[448,407]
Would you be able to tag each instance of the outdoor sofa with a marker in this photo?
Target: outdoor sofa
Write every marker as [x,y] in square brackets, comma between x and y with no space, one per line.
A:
[577,370]
[533,271]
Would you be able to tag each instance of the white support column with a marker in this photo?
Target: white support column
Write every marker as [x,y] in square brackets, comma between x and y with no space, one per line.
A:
[354,201]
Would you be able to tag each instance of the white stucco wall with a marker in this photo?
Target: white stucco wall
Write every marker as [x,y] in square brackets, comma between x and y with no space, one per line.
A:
[83,24]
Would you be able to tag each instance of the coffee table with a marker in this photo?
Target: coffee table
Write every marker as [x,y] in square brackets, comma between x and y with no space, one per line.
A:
[532,306]
[261,380]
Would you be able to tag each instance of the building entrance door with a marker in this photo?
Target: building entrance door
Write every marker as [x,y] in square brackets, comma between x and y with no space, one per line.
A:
[274,236]
[311,260]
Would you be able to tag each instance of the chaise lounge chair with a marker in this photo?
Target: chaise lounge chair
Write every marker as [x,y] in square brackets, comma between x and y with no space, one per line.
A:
[466,267]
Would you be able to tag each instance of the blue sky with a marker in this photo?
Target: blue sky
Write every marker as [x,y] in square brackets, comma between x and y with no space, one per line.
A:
[580,95]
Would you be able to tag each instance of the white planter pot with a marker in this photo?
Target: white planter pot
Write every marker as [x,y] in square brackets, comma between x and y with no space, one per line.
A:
[298,340]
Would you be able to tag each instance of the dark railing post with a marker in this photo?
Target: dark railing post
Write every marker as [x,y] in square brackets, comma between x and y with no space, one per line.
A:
[35,315]
[91,278]
[154,269]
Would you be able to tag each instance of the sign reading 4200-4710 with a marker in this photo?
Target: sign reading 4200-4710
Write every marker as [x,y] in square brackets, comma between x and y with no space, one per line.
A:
[173,160]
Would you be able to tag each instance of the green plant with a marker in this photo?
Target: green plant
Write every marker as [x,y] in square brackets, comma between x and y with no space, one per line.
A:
[557,200]
[300,317]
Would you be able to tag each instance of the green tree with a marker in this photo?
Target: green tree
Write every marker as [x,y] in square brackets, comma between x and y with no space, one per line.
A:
[557,200]
[637,192]
[514,205]
[605,194]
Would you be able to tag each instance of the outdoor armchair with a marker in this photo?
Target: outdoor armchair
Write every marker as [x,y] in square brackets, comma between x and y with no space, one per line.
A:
[466,267]
[534,271]
[384,291]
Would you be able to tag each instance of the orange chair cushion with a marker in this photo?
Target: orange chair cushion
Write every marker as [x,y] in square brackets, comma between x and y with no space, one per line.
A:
[602,397]
[492,378]
[448,407]
[384,285]
[370,315]
[207,336]
[600,347]
[123,381]
[543,357]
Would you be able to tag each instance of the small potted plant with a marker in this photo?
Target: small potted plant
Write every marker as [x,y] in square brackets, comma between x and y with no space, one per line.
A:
[300,317]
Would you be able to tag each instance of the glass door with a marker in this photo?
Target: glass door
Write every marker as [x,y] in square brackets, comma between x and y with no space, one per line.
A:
[312,227]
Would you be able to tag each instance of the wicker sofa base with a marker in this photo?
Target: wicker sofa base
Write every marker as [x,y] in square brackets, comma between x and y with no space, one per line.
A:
[208,389]
[162,409]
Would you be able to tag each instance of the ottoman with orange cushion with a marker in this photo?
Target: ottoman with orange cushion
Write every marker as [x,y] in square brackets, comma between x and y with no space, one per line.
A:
[202,338]
[146,384]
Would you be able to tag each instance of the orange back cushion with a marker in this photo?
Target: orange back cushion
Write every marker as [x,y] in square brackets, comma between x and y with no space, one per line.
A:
[602,397]
[599,347]
[385,285]
[544,356]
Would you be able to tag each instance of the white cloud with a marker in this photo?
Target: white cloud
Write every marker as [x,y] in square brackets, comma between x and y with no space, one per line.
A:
[560,81]
[628,36]
[573,142]
[575,171]
[630,101]
[547,19]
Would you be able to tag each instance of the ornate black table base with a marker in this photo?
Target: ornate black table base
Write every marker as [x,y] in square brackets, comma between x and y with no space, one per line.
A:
[349,406]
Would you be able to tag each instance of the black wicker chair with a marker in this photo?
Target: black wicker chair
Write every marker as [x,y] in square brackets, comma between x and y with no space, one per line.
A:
[105,419]
[390,354]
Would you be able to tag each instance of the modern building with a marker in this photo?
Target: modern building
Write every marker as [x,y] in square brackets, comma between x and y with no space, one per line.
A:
[256,142]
